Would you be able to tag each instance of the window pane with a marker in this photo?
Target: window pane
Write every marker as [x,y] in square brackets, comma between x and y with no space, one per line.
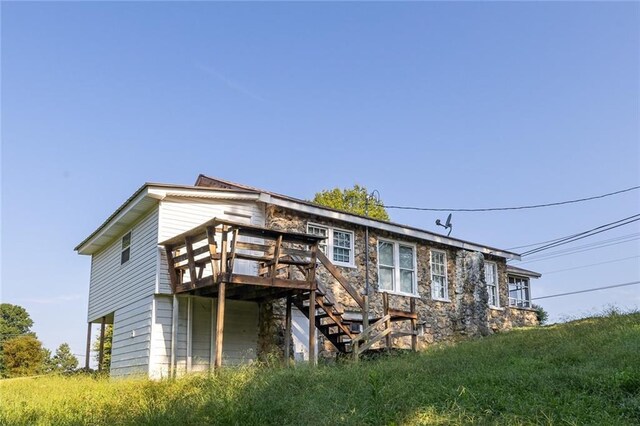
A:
[341,255]
[124,256]
[386,278]
[406,281]
[385,253]
[126,240]
[341,239]
[316,230]
[406,257]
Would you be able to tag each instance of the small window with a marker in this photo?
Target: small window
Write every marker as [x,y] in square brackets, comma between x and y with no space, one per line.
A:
[519,294]
[125,254]
[491,278]
[439,287]
[396,267]
[337,245]
[322,232]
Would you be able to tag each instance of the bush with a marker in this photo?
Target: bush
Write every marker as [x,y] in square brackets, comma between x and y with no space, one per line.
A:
[541,314]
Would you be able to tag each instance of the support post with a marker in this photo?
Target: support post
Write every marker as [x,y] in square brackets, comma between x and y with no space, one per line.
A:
[312,327]
[219,325]
[174,334]
[88,349]
[287,334]
[414,325]
[365,313]
[101,353]
[385,302]
[221,296]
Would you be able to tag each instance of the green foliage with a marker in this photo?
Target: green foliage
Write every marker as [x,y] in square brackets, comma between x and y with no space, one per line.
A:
[14,321]
[541,314]
[585,372]
[108,339]
[351,200]
[64,361]
[23,356]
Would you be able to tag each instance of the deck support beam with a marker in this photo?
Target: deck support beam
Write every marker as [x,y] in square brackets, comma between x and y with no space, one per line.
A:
[88,348]
[312,328]
[101,353]
[217,363]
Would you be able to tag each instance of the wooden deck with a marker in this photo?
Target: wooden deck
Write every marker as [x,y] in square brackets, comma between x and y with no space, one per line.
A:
[203,261]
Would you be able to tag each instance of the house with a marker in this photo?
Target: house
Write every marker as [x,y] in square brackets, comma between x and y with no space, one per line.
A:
[194,277]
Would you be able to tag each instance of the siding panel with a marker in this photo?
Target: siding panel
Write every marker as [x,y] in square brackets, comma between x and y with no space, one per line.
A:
[131,338]
[114,286]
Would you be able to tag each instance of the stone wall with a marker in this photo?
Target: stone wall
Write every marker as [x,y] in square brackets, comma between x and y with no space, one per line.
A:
[467,312]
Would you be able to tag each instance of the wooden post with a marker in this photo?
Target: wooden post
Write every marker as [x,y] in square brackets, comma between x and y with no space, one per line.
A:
[276,256]
[312,306]
[312,328]
[287,334]
[414,325]
[101,353]
[219,325]
[213,249]
[88,349]
[385,302]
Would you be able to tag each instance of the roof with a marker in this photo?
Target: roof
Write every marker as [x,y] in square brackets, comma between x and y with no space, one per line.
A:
[150,194]
[514,270]
[297,204]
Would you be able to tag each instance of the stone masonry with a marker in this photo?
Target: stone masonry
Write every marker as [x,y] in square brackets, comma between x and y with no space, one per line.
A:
[465,314]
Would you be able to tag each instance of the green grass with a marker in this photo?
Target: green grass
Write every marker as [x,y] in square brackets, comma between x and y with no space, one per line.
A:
[584,372]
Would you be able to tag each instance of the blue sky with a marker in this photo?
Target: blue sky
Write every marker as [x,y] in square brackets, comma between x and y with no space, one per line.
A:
[432,104]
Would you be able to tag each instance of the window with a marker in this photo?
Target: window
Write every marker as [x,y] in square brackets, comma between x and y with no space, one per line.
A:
[125,254]
[439,287]
[338,245]
[519,295]
[396,267]
[491,278]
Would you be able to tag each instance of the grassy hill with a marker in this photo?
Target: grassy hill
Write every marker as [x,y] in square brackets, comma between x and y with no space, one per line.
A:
[584,372]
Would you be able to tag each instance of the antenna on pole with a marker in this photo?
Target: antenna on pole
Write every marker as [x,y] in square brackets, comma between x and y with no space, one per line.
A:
[448,225]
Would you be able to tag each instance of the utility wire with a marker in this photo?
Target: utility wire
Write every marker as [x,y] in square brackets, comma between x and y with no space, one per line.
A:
[534,206]
[589,265]
[562,253]
[585,234]
[586,291]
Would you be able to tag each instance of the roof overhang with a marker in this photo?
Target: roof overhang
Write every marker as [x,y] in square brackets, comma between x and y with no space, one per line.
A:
[514,270]
[142,201]
[397,229]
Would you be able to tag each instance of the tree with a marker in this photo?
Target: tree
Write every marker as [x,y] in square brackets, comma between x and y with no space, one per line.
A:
[351,200]
[64,361]
[108,339]
[23,356]
[14,322]
[541,314]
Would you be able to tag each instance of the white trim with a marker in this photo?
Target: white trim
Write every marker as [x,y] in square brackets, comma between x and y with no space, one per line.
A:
[446,276]
[396,267]
[528,287]
[396,229]
[330,245]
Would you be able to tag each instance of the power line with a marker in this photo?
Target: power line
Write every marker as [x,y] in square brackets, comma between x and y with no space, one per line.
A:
[590,265]
[586,291]
[585,234]
[562,253]
[534,206]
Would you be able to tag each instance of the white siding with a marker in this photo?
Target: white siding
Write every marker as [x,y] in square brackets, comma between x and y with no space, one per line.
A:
[181,214]
[240,340]
[131,338]
[114,286]
[160,356]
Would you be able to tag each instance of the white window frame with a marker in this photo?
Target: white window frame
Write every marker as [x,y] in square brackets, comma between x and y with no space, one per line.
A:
[330,247]
[126,248]
[396,268]
[434,295]
[518,302]
[496,284]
